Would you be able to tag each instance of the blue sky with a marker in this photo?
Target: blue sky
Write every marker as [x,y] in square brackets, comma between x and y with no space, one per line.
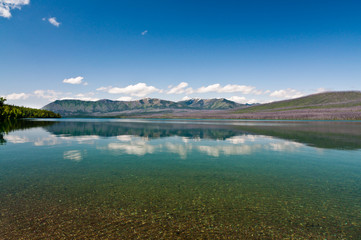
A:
[247,51]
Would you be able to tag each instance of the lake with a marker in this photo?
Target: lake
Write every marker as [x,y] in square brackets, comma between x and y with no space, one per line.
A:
[174,179]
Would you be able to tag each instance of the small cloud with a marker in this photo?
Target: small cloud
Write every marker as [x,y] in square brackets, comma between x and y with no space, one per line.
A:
[103,89]
[229,88]
[7,5]
[144,32]
[137,90]
[252,101]
[258,92]
[86,97]
[287,93]
[124,99]
[17,96]
[321,90]
[54,22]
[50,95]
[76,80]
[185,98]
[210,88]
[244,100]
[238,99]
[179,89]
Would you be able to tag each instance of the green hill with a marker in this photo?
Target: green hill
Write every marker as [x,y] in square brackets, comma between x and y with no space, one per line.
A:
[325,100]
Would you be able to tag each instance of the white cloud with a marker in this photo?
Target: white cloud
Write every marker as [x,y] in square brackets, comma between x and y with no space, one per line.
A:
[321,90]
[179,89]
[210,88]
[17,96]
[252,101]
[238,99]
[287,93]
[50,95]
[85,97]
[138,90]
[76,80]
[7,5]
[185,98]
[144,32]
[258,92]
[237,88]
[244,100]
[229,88]
[124,99]
[54,22]
[104,89]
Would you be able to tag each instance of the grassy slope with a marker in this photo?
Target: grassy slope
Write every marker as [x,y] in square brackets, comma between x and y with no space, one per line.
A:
[316,101]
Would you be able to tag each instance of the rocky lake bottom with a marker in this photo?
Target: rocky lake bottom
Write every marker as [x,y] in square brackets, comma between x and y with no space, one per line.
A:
[180,179]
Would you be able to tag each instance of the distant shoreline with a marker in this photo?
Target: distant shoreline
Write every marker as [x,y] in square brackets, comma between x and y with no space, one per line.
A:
[322,106]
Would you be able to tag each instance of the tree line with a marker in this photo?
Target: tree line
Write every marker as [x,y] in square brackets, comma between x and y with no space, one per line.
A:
[16,112]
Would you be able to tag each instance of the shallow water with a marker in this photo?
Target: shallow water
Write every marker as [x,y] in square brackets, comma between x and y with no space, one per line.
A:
[98,178]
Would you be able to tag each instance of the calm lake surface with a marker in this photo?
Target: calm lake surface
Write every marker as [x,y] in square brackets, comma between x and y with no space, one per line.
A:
[115,178]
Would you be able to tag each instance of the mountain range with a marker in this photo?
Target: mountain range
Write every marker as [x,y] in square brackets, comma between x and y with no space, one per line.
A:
[109,108]
[323,106]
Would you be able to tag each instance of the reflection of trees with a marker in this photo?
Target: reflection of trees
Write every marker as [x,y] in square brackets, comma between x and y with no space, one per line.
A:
[338,135]
[149,130]
[7,126]
[2,140]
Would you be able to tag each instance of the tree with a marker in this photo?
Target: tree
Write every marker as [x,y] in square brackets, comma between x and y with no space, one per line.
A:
[2,100]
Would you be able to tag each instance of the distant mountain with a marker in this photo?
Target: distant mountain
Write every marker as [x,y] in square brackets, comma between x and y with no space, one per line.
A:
[324,106]
[314,101]
[109,108]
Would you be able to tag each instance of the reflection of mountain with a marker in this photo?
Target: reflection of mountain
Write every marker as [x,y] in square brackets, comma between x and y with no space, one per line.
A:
[143,129]
[13,125]
[338,135]
[335,135]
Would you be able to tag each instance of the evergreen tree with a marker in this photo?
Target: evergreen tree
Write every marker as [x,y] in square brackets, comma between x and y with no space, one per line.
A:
[15,112]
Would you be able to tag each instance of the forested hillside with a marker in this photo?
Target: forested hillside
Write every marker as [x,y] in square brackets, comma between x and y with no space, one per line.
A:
[16,112]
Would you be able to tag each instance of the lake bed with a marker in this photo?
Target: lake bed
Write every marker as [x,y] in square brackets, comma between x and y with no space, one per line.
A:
[120,178]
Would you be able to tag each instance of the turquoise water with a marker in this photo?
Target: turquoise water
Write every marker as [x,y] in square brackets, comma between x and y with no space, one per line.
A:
[109,178]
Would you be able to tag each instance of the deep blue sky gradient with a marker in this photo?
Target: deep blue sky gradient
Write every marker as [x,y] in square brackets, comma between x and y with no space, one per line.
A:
[271,45]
